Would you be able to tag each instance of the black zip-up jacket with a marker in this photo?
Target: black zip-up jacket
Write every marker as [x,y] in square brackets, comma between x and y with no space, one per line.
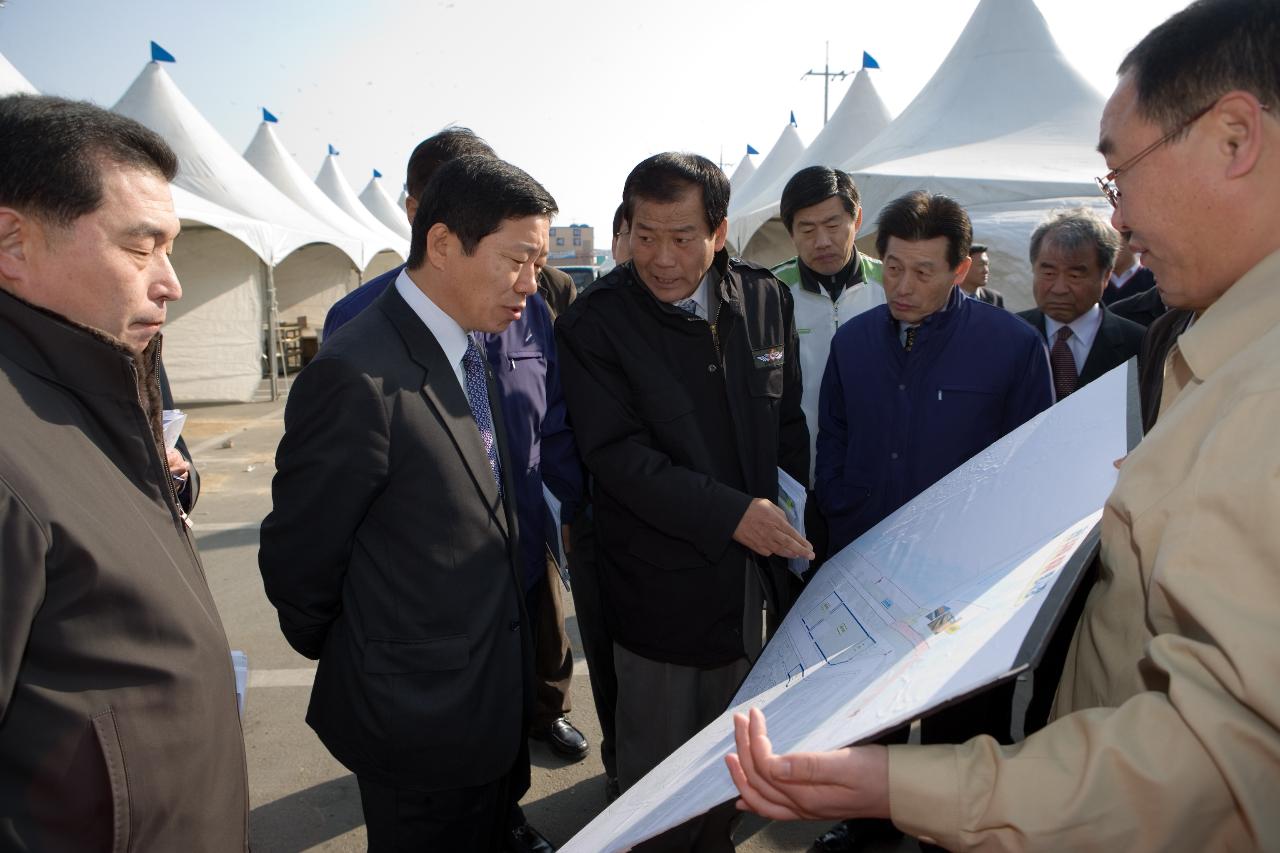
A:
[682,422]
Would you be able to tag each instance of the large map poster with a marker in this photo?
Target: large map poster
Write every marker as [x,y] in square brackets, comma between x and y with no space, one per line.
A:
[929,606]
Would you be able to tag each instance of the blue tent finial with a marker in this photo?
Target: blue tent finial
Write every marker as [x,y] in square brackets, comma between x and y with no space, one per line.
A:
[793,119]
[267,116]
[333,152]
[159,54]
[377,174]
[751,150]
[868,61]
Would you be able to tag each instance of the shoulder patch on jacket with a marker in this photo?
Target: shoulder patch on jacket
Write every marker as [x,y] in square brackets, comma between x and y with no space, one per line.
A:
[768,357]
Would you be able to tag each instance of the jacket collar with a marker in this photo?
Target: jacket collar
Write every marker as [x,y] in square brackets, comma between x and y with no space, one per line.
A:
[939,319]
[81,358]
[1248,310]
[450,402]
[724,285]
[848,276]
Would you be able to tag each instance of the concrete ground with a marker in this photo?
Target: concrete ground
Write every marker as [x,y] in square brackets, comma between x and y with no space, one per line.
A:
[301,798]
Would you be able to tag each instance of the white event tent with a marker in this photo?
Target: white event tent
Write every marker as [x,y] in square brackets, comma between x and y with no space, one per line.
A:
[243,243]
[380,250]
[746,168]
[1006,120]
[11,80]
[1006,126]
[785,151]
[334,185]
[859,118]
[376,200]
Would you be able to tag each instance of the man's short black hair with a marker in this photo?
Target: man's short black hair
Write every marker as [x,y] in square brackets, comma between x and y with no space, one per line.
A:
[923,216]
[619,217]
[1073,229]
[665,177]
[815,185]
[448,144]
[977,249]
[473,196]
[53,150]
[1198,55]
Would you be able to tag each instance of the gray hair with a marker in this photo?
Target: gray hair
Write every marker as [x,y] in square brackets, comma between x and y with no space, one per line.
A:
[1071,229]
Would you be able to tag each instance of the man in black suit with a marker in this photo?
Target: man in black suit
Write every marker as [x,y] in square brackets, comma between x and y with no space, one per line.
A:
[1072,254]
[1129,278]
[1143,307]
[975,280]
[390,552]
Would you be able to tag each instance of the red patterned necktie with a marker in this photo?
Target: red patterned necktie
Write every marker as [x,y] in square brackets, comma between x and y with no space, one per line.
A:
[1065,378]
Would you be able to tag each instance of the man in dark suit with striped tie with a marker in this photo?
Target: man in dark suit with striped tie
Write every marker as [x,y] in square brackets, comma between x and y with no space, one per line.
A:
[391,551]
[1072,254]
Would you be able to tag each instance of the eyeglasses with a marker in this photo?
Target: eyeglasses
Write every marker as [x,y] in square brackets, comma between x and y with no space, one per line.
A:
[1107,183]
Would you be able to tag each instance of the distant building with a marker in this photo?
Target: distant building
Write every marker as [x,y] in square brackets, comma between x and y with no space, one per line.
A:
[572,245]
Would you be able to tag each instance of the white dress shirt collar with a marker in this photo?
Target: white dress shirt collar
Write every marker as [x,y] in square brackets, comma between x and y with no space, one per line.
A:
[1084,330]
[702,293]
[1120,279]
[451,337]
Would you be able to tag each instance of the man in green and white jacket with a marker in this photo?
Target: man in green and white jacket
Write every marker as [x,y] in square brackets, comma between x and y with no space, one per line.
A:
[830,280]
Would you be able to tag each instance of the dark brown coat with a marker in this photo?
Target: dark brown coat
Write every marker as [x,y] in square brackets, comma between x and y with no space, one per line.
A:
[118,724]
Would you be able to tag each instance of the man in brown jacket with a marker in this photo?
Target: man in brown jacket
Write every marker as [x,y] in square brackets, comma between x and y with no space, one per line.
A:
[118,725]
[1167,729]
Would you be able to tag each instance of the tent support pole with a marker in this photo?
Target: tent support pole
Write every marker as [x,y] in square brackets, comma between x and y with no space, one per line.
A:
[273,331]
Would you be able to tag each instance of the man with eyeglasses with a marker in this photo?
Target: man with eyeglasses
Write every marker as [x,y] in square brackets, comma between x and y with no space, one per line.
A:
[1167,734]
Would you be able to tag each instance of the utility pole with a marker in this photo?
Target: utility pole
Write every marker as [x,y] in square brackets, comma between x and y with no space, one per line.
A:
[826,74]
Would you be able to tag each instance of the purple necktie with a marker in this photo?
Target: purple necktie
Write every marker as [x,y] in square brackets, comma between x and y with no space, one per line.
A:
[1065,378]
[478,397]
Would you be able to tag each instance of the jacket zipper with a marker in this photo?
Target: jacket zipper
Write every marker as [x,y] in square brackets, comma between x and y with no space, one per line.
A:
[175,504]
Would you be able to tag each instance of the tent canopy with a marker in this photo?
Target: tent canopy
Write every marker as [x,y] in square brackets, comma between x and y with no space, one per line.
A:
[742,174]
[268,155]
[1005,118]
[11,80]
[334,185]
[777,162]
[375,198]
[861,116]
[212,170]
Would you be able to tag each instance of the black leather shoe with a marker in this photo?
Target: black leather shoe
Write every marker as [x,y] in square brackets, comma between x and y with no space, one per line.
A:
[525,839]
[564,739]
[853,835]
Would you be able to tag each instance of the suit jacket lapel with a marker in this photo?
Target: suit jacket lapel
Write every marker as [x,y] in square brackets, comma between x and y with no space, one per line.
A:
[445,396]
[1103,345]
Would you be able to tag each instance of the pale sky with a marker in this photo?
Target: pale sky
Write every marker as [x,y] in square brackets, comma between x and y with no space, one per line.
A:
[576,94]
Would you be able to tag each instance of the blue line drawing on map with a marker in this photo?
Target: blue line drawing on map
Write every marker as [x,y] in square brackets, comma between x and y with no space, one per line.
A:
[836,632]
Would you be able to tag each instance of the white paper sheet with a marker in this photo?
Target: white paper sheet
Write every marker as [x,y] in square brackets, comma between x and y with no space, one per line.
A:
[173,421]
[932,603]
[791,498]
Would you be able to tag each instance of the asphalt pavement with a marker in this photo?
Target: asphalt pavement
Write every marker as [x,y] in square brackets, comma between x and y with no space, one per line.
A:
[300,797]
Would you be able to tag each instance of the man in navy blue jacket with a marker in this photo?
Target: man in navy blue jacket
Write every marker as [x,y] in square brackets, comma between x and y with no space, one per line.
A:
[915,387]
